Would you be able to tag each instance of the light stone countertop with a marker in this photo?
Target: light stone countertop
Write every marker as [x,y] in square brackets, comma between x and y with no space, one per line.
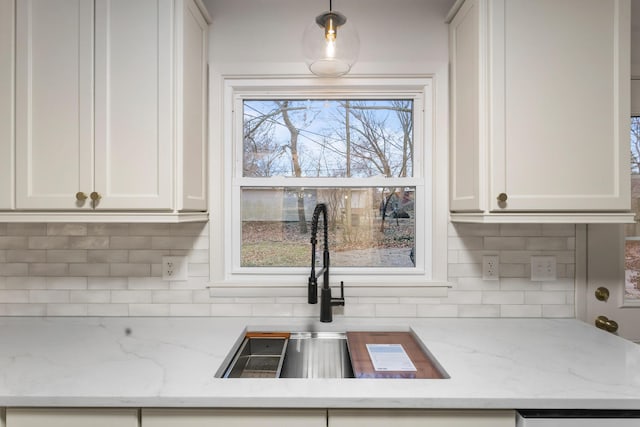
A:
[172,362]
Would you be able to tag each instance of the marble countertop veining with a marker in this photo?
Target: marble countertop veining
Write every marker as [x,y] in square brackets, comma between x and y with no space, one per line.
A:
[172,362]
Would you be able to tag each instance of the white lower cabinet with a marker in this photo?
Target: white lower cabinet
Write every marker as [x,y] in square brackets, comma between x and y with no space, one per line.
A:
[234,417]
[67,417]
[418,417]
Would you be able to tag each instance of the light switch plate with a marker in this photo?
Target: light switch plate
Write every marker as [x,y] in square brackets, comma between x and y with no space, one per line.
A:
[543,268]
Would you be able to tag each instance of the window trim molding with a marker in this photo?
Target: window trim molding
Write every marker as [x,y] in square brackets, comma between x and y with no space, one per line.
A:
[433,172]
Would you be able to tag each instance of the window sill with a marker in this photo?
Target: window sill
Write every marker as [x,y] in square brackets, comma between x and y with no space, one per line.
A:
[351,289]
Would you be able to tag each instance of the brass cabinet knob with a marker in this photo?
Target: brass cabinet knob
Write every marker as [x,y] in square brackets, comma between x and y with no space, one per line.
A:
[602,293]
[80,196]
[502,197]
[603,322]
[95,196]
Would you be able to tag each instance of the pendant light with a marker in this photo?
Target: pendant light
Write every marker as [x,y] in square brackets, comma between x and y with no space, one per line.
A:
[330,45]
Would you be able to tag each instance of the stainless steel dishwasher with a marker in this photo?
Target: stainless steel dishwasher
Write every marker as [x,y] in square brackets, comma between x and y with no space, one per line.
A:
[577,418]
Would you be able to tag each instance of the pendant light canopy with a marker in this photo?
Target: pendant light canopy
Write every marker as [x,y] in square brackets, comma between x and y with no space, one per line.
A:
[330,44]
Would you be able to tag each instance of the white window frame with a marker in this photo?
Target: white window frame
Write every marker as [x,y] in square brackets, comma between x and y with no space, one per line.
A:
[430,174]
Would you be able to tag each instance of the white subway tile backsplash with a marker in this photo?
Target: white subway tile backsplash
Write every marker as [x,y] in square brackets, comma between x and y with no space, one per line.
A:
[23,309]
[129,269]
[439,310]
[107,229]
[111,310]
[231,310]
[48,269]
[65,255]
[46,296]
[150,283]
[190,310]
[13,242]
[535,297]
[130,242]
[503,297]
[272,310]
[52,242]
[115,270]
[89,242]
[25,255]
[26,282]
[14,296]
[168,297]
[90,297]
[396,310]
[156,310]
[479,310]
[67,310]
[107,255]
[62,229]
[115,283]
[131,297]
[505,243]
[89,269]
[26,229]
[520,310]
[66,283]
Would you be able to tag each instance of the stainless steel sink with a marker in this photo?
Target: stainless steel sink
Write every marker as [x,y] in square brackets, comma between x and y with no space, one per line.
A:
[317,355]
[301,355]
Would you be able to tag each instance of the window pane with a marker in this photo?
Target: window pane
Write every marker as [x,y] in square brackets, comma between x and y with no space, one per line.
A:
[368,227]
[632,246]
[328,138]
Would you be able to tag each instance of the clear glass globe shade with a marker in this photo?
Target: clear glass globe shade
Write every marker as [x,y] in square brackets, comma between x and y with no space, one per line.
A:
[330,59]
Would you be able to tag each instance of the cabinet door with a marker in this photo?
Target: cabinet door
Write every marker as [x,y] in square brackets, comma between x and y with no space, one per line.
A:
[2,417]
[7,140]
[563,103]
[191,120]
[53,417]
[422,418]
[133,114]
[466,112]
[54,102]
[234,417]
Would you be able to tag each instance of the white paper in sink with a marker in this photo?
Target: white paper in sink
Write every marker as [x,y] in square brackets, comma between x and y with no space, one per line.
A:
[390,357]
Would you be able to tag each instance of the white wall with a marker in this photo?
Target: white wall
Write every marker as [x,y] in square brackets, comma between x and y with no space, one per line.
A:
[404,35]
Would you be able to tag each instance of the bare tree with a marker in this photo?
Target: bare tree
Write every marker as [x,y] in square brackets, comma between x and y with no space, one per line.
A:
[635,145]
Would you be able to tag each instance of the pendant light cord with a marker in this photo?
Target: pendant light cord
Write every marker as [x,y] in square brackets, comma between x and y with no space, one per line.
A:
[330,8]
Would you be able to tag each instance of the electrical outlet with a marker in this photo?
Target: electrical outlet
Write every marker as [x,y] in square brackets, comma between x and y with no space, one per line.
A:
[543,268]
[174,268]
[490,267]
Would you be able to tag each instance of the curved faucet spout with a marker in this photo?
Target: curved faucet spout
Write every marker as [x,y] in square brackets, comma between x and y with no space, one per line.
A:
[327,302]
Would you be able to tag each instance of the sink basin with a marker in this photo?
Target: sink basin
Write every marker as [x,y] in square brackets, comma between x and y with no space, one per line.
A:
[317,355]
[330,355]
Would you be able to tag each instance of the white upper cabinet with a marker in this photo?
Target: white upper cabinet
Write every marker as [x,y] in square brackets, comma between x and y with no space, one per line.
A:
[7,136]
[540,110]
[111,108]
[54,103]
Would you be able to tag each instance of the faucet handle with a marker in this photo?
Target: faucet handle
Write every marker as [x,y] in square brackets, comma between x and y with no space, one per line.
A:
[339,301]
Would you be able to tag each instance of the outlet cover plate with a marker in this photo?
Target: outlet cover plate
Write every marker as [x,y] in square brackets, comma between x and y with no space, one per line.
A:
[174,268]
[490,267]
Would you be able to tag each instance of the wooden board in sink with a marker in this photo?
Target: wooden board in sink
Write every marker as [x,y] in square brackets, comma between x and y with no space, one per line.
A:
[363,367]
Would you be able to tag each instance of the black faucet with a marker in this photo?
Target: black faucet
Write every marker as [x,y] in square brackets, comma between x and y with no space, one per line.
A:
[326,302]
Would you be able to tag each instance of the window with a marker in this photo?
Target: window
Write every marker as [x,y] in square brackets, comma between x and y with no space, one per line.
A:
[632,231]
[364,149]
